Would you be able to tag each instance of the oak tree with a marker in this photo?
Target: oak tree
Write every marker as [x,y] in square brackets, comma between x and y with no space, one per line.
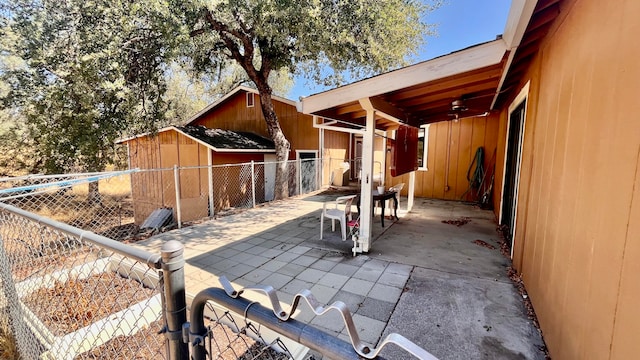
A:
[326,40]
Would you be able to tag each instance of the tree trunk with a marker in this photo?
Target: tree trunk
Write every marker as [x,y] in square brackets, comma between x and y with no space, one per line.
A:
[281,142]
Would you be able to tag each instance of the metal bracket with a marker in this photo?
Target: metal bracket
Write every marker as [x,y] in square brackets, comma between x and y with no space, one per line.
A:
[318,309]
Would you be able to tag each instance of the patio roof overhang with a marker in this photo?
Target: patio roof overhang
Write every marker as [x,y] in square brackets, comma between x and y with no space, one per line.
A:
[424,93]
[417,94]
[465,83]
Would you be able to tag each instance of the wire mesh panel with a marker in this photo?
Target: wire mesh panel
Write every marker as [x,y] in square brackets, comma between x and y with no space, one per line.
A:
[98,202]
[194,193]
[67,298]
[232,187]
[294,178]
[309,175]
[231,338]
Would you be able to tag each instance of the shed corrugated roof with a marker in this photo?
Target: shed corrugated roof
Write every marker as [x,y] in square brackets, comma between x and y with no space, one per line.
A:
[227,139]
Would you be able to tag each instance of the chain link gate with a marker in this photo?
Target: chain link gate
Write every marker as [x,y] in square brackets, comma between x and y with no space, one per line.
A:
[72,294]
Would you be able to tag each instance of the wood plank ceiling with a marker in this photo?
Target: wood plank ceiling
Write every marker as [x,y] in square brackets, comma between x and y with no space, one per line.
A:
[431,101]
[544,14]
[474,91]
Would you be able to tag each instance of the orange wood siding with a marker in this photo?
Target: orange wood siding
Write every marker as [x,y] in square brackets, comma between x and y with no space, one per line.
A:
[452,146]
[233,114]
[155,189]
[577,240]
[336,152]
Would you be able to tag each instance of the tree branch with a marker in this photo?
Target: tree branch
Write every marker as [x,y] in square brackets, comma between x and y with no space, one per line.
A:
[245,60]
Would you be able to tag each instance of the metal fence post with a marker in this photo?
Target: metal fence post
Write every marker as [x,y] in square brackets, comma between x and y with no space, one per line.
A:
[172,253]
[253,182]
[176,177]
[299,177]
[210,178]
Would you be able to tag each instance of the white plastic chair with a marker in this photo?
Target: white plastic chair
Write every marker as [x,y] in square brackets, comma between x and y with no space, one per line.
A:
[397,188]
[335,213]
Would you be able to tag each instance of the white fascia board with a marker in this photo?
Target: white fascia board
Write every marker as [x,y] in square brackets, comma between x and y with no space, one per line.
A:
[476,57]
[519,16]
[520,13]
[145,134]
[338,128]
[242,150]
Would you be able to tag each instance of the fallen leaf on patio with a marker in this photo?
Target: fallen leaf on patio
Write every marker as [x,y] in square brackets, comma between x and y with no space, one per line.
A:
[484,244]
[458,222]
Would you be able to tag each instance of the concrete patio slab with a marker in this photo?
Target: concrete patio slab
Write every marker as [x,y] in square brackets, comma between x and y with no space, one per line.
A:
[423,279]
[461,317]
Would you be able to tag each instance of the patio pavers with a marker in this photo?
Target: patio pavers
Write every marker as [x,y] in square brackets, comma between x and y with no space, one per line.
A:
[279,245]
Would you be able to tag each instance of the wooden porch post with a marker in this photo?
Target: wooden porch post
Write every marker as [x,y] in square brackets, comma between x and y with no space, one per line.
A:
[366,194]
[411,191]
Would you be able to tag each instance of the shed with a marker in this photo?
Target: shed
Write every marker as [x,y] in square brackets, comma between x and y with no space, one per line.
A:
[193,149]
[231,130]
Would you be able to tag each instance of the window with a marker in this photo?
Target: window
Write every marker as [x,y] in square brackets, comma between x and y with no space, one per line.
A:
[423,147]
[250,99]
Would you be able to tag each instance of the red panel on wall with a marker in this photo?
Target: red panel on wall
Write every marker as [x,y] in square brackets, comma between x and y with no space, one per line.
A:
[404,152]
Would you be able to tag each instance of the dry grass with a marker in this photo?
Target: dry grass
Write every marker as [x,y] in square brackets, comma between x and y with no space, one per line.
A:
[72,207]
[74,304]
[8,346]
[118,186]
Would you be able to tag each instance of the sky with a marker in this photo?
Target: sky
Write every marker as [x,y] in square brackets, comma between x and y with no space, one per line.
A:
[459,24]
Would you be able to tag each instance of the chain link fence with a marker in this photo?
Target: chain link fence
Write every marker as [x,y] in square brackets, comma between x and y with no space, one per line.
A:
[68,293]
[64,297]
[116,204]
[229,337]
[97,202]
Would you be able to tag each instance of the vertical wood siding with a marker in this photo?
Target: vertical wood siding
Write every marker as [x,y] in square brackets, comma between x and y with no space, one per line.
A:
[234,115]
[336,152]
[577,241]
[452,147]
[153,190]
[156,189]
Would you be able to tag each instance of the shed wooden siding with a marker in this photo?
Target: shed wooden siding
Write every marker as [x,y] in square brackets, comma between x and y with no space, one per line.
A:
[233,114]
[449,181]
[155,189]
[577,241]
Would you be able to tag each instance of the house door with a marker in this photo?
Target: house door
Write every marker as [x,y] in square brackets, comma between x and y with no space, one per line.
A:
[269,177]
[357,163]
[512,170]
[308,171]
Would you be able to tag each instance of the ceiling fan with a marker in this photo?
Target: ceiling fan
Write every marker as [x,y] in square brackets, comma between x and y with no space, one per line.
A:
[459,106]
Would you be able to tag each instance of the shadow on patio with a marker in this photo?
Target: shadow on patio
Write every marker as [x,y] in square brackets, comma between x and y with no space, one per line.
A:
[423,279]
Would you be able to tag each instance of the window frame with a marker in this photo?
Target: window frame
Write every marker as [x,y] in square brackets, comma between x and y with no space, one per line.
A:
[423,133]
[250,100]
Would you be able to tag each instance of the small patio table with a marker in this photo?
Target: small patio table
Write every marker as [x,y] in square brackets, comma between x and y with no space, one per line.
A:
[382,198]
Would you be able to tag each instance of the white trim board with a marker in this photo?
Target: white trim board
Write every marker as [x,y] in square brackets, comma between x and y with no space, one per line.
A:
[522,96]
[476,57]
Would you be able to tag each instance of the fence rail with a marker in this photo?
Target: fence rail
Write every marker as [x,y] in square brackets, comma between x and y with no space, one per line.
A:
[70,293]
[71,290]
[115,204]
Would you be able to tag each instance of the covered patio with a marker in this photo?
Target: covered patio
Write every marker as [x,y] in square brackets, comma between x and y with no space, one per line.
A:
[441,285]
